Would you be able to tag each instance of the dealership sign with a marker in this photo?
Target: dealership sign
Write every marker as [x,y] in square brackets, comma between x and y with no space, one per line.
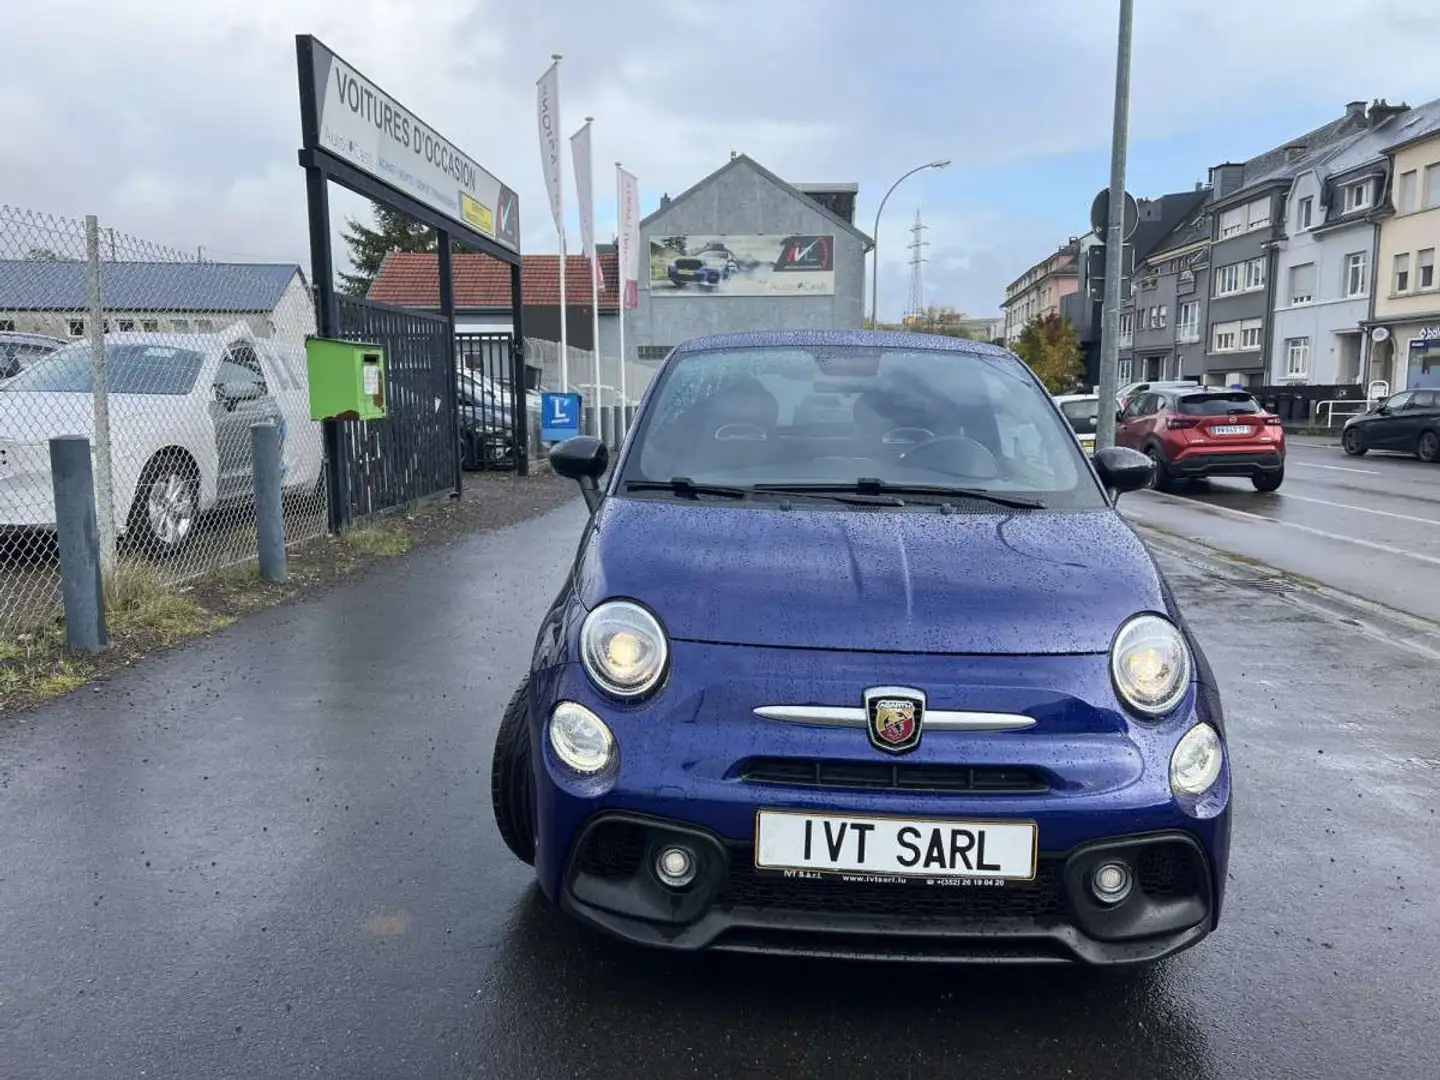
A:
[362,125]
[742,265]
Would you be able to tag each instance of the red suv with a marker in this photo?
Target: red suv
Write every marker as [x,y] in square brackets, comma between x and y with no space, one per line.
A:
[1190,434]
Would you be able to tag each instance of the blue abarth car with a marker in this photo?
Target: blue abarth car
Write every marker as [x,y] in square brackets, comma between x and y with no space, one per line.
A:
[892,679]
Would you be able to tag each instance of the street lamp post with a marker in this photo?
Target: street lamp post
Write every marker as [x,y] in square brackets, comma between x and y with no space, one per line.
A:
[875,267]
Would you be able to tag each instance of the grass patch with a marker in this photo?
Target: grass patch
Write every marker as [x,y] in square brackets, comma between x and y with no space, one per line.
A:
[376,541]
[138,600]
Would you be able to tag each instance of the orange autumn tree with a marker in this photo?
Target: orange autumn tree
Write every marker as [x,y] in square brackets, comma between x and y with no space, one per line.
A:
[1050,345]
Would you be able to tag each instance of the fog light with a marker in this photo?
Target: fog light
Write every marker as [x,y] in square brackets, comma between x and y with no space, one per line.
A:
[1111,882]
[675,867]
[580,738]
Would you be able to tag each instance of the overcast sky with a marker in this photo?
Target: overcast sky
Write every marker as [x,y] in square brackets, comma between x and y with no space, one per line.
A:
[177,120]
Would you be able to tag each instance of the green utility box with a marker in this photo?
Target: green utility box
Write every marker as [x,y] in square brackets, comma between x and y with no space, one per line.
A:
[347,379]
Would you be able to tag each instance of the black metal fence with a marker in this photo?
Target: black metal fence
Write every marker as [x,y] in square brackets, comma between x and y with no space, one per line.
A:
[1295,404]
[412,453]
[488,400]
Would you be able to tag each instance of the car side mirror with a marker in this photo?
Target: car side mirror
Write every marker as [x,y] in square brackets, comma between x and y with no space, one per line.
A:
[1122,469]
[1119,416]
[583,459]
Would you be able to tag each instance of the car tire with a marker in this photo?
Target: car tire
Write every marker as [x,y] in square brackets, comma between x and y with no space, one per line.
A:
[166,506]
[1161,480]
[511,785]
[1269,481]
[1354,442]
[1427,449]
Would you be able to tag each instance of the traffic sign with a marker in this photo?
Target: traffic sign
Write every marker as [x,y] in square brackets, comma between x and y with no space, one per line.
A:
[559,417]
[1100,214]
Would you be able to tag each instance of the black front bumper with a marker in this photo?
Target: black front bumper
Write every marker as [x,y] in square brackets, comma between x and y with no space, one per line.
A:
[1241,464]
[733,907]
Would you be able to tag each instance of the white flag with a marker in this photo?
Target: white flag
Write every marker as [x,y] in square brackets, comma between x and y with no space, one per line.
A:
[584,193]
[547,107]
[629,230]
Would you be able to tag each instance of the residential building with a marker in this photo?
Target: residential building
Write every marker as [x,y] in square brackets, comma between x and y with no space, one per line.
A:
[744,250]
[1247,224]
[1039,290]
[1325,268]
[1082,307]
[1150,313]
[53,297]
[1405,327]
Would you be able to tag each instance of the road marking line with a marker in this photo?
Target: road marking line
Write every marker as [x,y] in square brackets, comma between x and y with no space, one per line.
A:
[1374,545]
[1335,468]
[1362,509]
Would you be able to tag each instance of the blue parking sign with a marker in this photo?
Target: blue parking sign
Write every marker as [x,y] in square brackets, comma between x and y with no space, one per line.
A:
[559,417]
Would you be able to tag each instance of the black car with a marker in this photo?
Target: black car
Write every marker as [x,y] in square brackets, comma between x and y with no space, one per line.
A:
[1408,422]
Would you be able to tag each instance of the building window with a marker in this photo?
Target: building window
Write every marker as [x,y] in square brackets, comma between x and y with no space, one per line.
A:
[1409,183]
[180,326]
[1187,325]
[1159,317]
[1302,283]
[1357,196]
[1224,337]
[1297,357]
[1402,273]
[1305,212]
[1425,268]
[205,326]
[1432,185]
[150,326]
[1257,214]
[1122,371]
[1254,274]
[77,327]
[1227,280]
[1357,266]
[651,352]
[1127,326]
[125,326]
[1232,222]
[1250,333]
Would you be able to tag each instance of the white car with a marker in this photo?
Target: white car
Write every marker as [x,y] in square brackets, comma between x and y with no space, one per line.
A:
[180,407]
[1083,412]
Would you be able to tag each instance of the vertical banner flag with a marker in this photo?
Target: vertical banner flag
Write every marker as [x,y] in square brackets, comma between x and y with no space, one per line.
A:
[629,211]
[584,192]
[547,110]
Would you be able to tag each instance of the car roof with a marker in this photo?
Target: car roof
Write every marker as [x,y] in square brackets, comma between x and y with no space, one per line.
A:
[885,339]
[1065,399]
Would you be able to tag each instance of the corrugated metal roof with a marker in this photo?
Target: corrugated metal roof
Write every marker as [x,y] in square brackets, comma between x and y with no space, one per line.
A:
[27,285]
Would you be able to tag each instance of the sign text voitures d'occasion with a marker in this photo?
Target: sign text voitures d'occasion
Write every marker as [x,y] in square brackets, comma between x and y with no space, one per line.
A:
[403,128]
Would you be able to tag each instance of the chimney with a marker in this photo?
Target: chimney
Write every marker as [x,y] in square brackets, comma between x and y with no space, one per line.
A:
[1294,151]
[1226,178]
[1355,110]
[1381,111]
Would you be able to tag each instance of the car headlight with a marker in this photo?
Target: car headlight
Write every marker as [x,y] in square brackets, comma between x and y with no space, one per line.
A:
[1150,663]
[623,648]
[1195,764]
[580,738]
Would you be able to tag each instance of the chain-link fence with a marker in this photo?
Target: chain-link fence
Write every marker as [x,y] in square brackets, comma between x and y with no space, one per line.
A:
[164,361]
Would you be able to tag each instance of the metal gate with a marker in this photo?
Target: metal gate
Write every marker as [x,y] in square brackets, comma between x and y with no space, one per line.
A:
[412,453]
[488,400]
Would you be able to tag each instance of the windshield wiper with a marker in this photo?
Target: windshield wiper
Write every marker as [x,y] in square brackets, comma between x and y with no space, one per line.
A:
[866,485]
[683,485]
[843,493]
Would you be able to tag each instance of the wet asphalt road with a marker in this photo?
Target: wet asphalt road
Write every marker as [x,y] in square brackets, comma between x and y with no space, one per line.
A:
[1368,525]
[271,855]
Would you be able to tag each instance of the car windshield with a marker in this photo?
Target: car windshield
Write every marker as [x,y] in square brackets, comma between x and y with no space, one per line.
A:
[1217,404]
[837,415]
[129,369]
[1083,415]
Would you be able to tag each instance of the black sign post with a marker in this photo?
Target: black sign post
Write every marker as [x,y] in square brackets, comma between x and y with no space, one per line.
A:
[355,134]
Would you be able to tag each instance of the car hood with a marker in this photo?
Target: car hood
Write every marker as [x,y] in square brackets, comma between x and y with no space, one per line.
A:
[1028,582]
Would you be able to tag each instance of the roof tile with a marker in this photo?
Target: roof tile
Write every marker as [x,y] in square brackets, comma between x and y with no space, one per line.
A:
[412,279]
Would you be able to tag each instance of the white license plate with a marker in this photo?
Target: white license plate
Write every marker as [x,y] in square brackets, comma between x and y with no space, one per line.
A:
[895,847]
[1230,429]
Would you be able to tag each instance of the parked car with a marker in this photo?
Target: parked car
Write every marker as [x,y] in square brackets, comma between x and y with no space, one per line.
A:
[1083,412]
[861,692]
[19,351]
[1129,390]
[180,408]
[706,269]
[1408,422]
[1198,433]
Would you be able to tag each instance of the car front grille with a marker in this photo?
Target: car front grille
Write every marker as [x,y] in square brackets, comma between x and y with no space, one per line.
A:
[894,776]
[1168,871]
[615,849]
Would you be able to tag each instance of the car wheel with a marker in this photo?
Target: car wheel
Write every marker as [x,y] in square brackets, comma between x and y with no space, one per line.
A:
[1354,443]
[167,503]
[1428,448]
[510,780]
[1269,481]
[1160,477]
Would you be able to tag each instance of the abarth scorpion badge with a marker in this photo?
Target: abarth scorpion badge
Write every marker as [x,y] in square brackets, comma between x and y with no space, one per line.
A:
[894,716]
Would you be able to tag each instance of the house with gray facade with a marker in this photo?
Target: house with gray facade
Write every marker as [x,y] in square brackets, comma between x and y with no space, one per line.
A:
[745,250]
[1150,318]
[1325,264]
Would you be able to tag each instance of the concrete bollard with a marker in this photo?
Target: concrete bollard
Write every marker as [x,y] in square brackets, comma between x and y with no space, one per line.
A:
[587,418]
[607,426]
[629,417]
[269,507]
[77,533]
[617,425]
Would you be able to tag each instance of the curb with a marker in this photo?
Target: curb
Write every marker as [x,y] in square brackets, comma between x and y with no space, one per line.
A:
[1411,632]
